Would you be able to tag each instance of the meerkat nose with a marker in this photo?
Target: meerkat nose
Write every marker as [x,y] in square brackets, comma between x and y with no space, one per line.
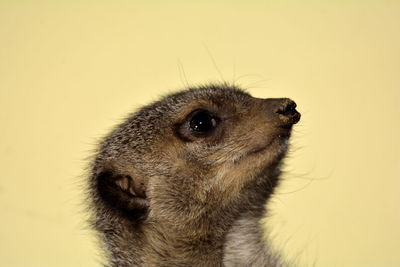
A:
[283,111]
[287,111]
[287,107]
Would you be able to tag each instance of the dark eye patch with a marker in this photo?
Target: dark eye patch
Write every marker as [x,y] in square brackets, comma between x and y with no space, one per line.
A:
[199,123]
[202,122]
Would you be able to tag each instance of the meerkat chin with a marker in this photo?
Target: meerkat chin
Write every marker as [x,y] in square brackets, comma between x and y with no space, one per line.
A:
[184,180]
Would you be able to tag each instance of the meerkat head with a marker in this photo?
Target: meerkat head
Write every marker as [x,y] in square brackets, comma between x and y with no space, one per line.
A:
[193,153]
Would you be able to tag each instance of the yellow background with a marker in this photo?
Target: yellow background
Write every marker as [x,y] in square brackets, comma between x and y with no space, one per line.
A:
[69,71]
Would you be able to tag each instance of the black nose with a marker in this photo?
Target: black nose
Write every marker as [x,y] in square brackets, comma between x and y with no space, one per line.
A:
[286,109]
[281,111]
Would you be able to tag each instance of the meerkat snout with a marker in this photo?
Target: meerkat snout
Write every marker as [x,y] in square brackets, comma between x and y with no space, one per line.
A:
[286,110]
[176,182]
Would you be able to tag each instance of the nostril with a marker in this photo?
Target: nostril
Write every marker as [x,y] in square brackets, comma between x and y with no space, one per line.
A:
[288,107]
[282,111]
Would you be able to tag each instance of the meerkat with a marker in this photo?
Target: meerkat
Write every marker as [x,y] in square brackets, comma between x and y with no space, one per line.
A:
[184,181]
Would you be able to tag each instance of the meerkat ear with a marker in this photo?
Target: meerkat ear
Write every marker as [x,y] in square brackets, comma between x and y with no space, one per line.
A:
[123,192]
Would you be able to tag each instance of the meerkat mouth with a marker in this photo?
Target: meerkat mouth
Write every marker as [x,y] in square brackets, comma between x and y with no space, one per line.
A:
[278,143]
[260,149]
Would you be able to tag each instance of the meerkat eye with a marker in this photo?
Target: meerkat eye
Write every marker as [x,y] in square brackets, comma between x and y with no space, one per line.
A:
[202,122]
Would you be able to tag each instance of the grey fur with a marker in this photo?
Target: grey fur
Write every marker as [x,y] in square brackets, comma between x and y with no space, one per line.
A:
[162,196]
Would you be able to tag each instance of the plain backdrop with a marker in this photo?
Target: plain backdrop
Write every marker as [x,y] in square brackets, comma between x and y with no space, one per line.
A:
[71,70]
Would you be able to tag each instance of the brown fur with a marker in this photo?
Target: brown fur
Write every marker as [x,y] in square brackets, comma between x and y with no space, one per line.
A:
[163,196]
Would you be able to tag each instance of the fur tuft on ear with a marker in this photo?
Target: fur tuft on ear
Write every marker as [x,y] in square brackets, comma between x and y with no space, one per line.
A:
[122,193]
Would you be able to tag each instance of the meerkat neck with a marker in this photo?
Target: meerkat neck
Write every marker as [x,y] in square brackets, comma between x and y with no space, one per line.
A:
[174,247]
[246,244]
[208,240]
